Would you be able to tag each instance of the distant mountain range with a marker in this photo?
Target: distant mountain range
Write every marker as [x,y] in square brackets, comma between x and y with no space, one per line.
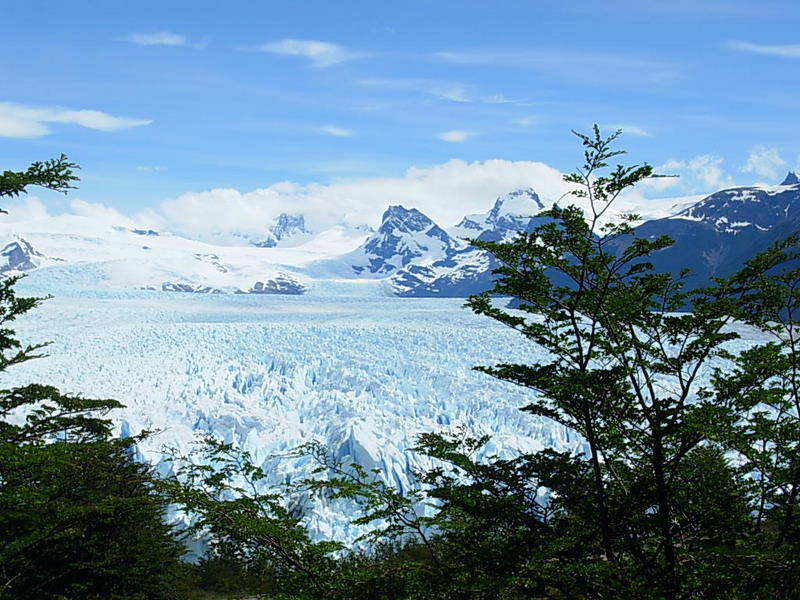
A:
[407,255]
[714,237]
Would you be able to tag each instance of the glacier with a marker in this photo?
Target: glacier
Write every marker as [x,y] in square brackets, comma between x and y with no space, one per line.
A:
[360,372]
[271,347]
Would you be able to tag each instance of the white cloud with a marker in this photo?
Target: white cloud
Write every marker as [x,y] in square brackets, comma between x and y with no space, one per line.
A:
[784,51]
[444,192]
[24,208]
[19,121]
[161,38]
[595,67]
[337,131]
[524,121]
[455,135]
[150,168]
[764,162]
[629,129]
[100,213]
[443,90]
[321,54]
[699,175]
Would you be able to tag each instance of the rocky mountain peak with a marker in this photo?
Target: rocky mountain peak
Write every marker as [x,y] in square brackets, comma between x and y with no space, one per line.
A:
[791,179]
[404,219]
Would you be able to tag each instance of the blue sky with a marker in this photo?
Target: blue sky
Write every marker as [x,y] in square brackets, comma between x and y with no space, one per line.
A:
[159,99]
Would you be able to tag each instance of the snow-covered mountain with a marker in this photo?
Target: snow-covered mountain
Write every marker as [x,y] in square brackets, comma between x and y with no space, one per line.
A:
[408,252]
[717,234]
[466,270]
[405,236]
[286,227]
[510,214]
[19,256]
[127,258]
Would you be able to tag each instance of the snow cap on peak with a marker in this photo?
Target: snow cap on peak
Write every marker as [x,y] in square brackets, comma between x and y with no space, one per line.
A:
[397,210]
[521,203]
[405,218]
[791,179]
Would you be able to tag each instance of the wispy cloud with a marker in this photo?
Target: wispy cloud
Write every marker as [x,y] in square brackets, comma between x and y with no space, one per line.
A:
[19,121]
[456,135]
[162,38]
[443,90]
[570,64]
[321,54]
[629,129]
[764,161]
[524,121]
[150,168]
[784,51]
[337,131]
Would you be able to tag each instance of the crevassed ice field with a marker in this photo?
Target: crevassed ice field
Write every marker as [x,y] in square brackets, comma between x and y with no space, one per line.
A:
[345,365]
[362,373]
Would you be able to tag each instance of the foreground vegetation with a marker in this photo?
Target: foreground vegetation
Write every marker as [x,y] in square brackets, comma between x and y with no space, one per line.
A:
[687,487]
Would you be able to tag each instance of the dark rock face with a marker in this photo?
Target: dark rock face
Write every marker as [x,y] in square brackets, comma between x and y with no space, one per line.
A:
[464,270]
[285,226]
[19,256]
[282,284]
[714,237]
[191,288]
[404,235]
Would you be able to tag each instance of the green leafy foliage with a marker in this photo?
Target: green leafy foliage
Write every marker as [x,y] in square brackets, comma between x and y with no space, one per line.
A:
[687,481]
[57,174]
[79,516]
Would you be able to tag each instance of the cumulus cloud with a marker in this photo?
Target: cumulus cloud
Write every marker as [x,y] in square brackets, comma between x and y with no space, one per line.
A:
[445,192]
[698,175]
[161,38]
[20,121]
[784,50]
[24,208]
[765,162]
[455,135]
[100,213]
[337,131]
[321,54]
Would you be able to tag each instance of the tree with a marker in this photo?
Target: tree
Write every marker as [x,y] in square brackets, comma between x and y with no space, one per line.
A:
[626,373]
[688,481]
[79,517]
[55,174]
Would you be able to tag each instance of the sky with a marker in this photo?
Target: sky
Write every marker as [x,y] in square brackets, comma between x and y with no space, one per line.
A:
[202,115]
